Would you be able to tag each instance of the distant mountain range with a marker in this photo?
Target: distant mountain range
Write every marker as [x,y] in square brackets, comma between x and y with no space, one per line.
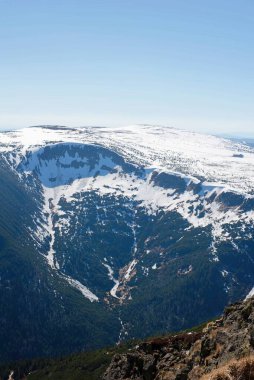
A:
[239,139]
[247,141]
[110,234]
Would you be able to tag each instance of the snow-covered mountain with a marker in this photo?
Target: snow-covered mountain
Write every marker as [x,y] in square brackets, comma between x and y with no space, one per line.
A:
[215,159]
[151,222]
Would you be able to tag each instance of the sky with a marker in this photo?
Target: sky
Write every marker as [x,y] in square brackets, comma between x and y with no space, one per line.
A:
[183,63]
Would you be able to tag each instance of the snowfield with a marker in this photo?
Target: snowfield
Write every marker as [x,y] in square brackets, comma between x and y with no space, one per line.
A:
[164,148]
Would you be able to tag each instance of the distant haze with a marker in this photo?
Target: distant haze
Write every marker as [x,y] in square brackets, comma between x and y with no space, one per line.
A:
[186,64]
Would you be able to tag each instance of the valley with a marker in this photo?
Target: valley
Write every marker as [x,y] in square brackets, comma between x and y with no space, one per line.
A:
[136,231]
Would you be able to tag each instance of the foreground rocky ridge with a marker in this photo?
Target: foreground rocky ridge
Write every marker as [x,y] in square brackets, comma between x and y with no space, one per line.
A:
[190,355]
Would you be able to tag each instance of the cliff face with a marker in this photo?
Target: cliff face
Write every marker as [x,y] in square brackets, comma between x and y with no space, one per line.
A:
[191,355]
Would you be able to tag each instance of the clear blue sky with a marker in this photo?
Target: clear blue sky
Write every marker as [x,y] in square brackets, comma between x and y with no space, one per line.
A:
[184,63]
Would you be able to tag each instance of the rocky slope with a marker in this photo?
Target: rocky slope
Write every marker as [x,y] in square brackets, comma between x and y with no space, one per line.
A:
[191,355]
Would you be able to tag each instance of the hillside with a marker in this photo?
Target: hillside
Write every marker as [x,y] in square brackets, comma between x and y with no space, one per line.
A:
[222,349]
[37,308]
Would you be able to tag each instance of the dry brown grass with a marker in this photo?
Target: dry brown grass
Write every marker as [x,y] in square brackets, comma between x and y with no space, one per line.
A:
[242,369]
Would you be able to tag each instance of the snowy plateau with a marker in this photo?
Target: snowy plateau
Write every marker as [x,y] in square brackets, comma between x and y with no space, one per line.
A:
[144,218]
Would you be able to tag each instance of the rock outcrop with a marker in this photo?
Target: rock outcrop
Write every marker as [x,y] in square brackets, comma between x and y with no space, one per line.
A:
[190,355]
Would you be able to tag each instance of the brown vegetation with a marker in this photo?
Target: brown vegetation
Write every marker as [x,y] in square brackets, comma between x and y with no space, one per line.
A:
[242,369]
